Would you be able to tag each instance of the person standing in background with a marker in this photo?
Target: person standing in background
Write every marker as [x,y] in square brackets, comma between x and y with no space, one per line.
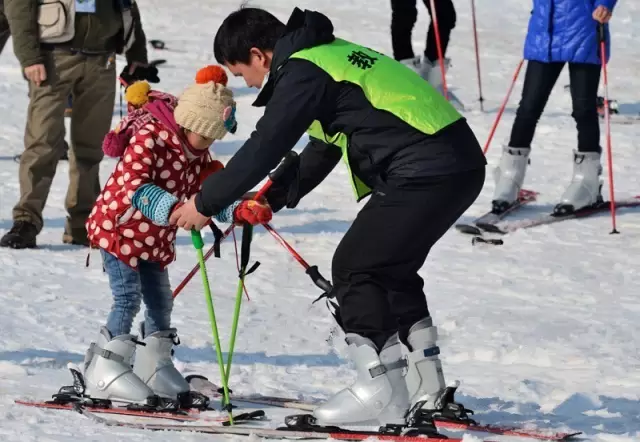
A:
[560,32]
[5,33]
[74,56]
[404,15]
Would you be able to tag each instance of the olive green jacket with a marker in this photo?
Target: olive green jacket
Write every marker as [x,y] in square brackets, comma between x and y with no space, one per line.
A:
[99,32]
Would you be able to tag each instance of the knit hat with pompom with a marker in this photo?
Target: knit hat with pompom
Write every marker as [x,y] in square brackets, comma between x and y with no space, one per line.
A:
[207,107]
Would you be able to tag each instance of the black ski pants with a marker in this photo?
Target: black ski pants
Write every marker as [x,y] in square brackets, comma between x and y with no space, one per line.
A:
[539,80]
[375,267]
[403,18]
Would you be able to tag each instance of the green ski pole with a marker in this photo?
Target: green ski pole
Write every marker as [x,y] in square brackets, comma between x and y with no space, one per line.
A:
[196,239]
[247,234]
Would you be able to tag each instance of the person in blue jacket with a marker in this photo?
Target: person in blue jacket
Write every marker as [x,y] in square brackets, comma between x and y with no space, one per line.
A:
[560,32]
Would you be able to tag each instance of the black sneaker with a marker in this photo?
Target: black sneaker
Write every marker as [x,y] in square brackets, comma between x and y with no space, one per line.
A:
[21,236]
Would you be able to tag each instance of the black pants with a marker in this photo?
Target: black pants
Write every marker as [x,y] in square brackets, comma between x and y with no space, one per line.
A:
[404,16]
[538,83]
[375,267]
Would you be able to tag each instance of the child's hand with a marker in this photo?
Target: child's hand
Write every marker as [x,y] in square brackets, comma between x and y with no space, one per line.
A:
[252,212]
[602,14]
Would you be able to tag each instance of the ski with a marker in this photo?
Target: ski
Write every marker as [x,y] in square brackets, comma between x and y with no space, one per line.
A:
[203,385]
[550,218]
[493,216]
[180,415]
[267,433]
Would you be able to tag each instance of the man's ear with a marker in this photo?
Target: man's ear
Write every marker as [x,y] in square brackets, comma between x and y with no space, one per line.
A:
[263,58]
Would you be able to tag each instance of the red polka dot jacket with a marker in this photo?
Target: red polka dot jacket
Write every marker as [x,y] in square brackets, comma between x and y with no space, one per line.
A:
[154,155]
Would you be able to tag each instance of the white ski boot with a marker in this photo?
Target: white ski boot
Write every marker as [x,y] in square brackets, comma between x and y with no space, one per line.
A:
[108,374]
[378,396]
[154,366]
[509,177]
[429,395]
[586,185]
[433,74]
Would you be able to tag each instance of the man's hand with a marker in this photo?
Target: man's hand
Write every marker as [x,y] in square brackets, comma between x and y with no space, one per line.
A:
[602,14]
[188,217]
[36,74]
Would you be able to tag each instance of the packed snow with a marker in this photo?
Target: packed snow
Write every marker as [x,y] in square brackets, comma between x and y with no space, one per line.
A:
[542,330]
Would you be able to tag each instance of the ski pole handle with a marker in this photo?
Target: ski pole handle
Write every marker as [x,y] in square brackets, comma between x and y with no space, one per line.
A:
[601,33]
[289,159]
[196,239]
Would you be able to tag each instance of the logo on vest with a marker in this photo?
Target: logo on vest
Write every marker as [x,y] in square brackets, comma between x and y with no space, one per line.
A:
[361,60]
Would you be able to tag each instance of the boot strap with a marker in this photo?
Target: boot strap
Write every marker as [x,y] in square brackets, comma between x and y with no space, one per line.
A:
[381,369]
[107,354]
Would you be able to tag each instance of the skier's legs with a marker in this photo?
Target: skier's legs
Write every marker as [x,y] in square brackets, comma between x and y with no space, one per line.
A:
[378,289]
[403,17]
[127,297]
[446,16]
[157,296]
[375,268]
[539,80]
[584,80]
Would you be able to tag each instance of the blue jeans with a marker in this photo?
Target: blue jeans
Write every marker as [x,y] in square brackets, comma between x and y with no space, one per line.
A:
[150,284]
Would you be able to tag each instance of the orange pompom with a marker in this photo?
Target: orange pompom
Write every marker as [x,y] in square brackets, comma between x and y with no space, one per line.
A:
[213,73]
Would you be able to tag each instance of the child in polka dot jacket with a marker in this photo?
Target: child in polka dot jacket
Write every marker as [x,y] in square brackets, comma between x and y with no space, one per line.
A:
[163,145]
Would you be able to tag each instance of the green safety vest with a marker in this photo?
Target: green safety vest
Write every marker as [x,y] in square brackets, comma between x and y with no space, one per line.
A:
[387,84]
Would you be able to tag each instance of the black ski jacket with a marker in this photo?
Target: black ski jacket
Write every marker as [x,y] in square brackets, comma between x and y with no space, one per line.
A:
[382,147]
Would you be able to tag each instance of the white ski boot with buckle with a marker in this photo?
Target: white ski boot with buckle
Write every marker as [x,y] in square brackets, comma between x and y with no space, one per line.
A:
[585,187]
[107,370]
[378,396]
[154,366]
[430,397]
[509,177]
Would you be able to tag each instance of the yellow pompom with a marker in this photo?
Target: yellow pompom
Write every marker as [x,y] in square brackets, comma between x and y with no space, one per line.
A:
[138,93]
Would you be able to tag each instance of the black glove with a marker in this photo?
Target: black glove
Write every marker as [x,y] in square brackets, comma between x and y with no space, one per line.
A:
[148,73]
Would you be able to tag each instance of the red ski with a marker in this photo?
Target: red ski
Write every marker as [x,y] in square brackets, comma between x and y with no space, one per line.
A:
[204,386]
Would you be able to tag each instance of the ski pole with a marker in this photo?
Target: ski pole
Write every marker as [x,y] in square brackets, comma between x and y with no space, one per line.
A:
[196,239]
[475,41]
[312,271]
[504,104]
[436,29]
[247,234]
[288,160]
[607,119]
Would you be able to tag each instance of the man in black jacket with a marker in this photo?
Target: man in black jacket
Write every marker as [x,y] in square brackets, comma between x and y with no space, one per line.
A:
[420,182]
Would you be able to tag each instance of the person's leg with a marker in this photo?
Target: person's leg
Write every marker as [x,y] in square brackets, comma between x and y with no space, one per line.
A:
[5,31]
[446,16]
[153,362]
[126,288]
[585,185]
[378,289]
[93,101]
[107,365]
[403,18]
[44,142]
[539,81]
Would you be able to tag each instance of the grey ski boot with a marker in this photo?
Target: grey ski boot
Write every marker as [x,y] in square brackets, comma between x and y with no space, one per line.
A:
[509,177]
[379,395]
[433,74]
[586,185]
[154,365]
[430,396]
[108,374]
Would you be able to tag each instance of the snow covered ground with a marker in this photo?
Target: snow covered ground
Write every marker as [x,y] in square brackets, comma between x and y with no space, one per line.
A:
[543,329]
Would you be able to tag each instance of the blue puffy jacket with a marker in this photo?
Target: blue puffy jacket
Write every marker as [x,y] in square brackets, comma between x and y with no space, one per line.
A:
[564,30]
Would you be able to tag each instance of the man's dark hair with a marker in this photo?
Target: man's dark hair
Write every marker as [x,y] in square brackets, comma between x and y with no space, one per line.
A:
[244,29]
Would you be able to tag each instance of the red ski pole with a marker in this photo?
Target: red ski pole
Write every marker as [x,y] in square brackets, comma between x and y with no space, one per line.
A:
[436,29]
[289,159]
[504,104]
[475,42]
[607,119]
